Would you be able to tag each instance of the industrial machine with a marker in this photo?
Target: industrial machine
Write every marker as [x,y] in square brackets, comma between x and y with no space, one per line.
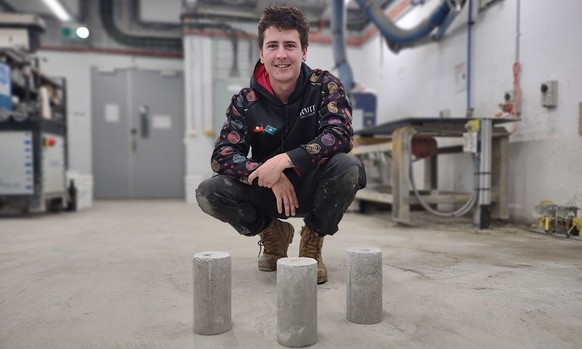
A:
[33,125]
[390,149]
[557,220]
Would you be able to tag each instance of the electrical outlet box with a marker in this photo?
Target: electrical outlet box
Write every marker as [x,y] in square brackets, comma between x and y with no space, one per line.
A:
[549,93]
[470,142]
[509,97]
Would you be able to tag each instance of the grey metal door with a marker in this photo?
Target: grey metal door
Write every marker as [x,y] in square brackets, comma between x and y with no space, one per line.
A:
[138,127]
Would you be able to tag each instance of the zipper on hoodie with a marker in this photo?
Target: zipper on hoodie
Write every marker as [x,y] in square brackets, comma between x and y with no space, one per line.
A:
[284,128]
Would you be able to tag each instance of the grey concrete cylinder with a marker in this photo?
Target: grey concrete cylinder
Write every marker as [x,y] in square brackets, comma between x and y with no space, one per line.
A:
[212,292]
[364,285]
[296,302]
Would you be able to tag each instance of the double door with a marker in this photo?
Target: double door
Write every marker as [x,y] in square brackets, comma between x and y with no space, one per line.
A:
[138,130]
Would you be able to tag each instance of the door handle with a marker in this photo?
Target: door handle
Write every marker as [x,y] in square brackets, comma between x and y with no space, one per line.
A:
[134,140]
[144,114]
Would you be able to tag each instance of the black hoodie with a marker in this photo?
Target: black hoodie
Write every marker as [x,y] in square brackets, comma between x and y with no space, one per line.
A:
[314,125]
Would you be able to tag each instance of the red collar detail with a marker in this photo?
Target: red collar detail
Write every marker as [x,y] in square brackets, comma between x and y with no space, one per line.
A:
[262,77]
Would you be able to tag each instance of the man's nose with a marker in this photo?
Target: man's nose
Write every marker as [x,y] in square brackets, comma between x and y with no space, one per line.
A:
[281,53]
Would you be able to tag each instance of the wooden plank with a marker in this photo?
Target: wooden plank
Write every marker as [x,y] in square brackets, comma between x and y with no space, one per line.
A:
[400,181]
[374,196]
[366,149]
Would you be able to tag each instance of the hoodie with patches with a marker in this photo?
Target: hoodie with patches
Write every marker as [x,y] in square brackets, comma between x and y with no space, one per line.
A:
[313,126]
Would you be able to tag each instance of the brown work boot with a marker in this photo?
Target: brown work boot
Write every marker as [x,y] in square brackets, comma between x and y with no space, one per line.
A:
[310,246]
[275,238]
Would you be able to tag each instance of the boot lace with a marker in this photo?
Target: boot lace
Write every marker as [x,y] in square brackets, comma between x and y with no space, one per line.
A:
[311,247]
[267,242]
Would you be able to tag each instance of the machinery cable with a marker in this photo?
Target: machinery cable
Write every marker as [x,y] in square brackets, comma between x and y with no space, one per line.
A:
[457,213]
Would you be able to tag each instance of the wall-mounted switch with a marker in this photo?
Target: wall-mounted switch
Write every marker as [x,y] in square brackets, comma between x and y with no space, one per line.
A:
[549,93]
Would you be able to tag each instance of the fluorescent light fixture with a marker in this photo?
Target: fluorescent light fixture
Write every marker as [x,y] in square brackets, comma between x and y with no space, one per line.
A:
[58,9]
[82,32]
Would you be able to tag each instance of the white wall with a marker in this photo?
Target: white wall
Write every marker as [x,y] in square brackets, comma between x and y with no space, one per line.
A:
[545,151]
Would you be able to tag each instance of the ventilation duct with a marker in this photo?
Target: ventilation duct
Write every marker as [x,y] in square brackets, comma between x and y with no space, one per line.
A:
[398,38]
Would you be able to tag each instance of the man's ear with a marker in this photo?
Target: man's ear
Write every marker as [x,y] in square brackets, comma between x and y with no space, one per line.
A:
[261,55]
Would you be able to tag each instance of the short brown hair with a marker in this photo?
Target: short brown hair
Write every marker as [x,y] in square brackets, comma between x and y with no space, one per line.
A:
[284,18]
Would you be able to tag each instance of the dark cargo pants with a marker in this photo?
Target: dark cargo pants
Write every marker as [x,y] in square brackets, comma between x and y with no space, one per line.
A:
[324,195]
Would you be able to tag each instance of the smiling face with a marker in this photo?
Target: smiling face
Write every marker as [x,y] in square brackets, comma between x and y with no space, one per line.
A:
[282,55]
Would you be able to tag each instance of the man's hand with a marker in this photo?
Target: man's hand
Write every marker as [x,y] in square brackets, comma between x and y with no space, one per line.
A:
[271,170]
[286,196]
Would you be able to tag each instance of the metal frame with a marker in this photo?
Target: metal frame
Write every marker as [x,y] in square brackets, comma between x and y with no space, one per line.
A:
[492,180]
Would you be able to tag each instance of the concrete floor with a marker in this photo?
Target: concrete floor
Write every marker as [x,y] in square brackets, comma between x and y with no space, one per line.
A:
[119,275]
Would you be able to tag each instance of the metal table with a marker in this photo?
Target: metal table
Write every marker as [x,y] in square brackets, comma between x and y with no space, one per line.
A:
[492,183]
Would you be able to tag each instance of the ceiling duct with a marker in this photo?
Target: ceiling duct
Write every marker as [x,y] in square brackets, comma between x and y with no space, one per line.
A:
[146,42]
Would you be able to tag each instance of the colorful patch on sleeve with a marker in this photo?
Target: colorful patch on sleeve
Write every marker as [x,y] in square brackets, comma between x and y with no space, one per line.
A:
[239,101]
[237,159]
[251,165]
[226,151]
[236,124]
[332,87]
[332,107]
[251,96]
[328,139]
[215,166]
[313,148]
[233,137]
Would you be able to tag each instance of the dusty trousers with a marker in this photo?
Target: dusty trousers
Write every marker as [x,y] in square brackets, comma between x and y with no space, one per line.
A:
[324,195]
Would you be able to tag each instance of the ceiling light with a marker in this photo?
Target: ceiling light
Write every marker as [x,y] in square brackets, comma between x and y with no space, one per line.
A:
[58,9]
[82,32]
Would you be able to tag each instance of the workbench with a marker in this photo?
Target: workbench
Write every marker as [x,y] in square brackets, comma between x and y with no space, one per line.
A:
[394,140]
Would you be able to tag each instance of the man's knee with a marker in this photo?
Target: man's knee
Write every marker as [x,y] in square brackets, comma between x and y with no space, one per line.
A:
[350,168]
[204,194]
[208,193]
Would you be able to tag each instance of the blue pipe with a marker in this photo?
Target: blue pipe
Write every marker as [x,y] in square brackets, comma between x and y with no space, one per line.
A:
[444,25]
[469,43]
[397,35]
[339,46]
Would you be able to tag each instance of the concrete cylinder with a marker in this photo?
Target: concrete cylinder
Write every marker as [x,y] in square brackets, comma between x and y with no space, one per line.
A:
[296,302]
[212,292]
[364,285]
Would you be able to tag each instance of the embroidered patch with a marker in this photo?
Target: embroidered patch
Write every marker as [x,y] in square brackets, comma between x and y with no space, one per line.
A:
[332,87]
[233,137]
[215,166]
[258,129]
[251,165]
[236,124]
[251,96]
[328,139]
[332,107]
[313,148]
[226,151]
[270,130]
[237,159]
